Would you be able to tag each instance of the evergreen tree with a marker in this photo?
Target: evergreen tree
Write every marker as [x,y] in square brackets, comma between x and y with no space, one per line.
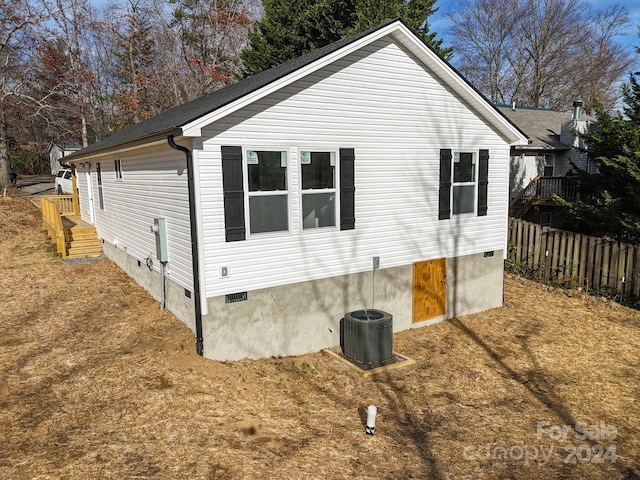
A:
[289,28]
[416,13]
[610,200]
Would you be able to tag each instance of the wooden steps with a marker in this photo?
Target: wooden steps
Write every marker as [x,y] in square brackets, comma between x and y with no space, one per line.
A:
[81,240]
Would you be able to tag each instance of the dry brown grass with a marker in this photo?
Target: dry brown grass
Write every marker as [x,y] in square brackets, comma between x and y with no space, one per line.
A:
[97,382]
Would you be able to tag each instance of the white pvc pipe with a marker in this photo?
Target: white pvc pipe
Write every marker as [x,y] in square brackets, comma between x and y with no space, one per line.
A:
[371,419]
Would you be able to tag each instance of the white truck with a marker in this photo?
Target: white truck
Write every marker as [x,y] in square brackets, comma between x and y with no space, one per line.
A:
[64,185]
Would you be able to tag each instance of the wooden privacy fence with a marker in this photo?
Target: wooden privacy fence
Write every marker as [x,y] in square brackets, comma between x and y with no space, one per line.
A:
[572,259]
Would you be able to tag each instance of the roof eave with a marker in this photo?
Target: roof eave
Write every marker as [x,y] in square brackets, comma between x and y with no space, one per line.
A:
[541,147]
[509,130]
[142,142]
[402,33]
[194,128]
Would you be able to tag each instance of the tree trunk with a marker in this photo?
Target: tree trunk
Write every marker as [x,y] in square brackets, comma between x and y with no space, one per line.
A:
[4,151]
[85,132]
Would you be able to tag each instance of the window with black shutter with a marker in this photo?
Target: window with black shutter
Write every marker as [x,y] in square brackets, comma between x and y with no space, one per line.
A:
[233,193]
[444,199]
[483,182]
[463,183]
[266,199]
[347,189]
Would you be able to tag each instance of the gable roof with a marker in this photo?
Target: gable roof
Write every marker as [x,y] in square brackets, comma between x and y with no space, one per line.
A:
[542,126]
[187,119]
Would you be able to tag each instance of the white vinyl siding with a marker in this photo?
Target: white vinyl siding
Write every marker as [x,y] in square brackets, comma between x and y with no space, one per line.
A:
[155,185]
[83,193]
[397,117]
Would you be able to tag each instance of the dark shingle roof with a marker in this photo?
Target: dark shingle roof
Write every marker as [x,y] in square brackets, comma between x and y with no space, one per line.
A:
[541,125]
[166,122]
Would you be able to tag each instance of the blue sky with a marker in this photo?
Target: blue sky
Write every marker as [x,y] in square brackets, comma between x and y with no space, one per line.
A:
[630,40]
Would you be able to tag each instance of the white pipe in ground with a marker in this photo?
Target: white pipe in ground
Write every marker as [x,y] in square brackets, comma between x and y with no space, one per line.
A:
[371,419]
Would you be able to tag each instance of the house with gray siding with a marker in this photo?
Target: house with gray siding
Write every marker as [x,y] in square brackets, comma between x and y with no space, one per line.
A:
[544,166]
[56,155]
[554,143]
[365,174]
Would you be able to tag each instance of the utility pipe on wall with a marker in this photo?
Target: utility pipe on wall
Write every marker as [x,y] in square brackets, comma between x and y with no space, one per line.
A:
[194,242]
[163,287]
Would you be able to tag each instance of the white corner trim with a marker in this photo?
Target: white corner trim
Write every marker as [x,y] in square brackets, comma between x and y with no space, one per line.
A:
[195,160]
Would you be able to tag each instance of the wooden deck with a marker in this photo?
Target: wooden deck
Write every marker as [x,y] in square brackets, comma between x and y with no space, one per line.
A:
[73,237]
[74,222]
[541,191]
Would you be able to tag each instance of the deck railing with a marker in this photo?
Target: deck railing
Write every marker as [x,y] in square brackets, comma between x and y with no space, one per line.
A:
[543,189]
[52,220]
[67,204]
[564,187]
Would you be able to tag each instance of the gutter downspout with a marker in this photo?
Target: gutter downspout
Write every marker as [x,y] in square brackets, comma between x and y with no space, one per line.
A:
[194,242]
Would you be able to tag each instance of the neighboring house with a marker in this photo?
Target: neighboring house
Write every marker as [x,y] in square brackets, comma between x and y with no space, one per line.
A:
[542,166]
[57,153]
[279,194]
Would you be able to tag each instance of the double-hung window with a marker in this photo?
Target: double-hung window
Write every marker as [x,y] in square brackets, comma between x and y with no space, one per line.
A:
[464,182]
[268,193]
[257,183]
[117,166]
[100,193]
[318,173]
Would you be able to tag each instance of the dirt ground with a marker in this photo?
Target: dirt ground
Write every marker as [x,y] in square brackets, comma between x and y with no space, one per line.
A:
[97,382]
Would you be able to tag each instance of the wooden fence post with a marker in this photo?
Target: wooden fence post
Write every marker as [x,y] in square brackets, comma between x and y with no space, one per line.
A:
[581,260]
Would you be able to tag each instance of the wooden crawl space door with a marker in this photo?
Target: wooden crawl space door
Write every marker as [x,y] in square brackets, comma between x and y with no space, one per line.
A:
[429,289]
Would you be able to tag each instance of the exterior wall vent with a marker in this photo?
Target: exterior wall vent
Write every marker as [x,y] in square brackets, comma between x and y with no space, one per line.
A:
[236,297]
[367,336]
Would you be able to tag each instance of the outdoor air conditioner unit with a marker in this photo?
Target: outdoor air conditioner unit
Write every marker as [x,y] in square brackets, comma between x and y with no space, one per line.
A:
[367,336]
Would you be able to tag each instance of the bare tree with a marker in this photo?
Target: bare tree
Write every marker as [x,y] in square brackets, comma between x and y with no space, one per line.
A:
[211,36]
[540,53]
[602,61]
[482,32]
[17,43]
[70,20]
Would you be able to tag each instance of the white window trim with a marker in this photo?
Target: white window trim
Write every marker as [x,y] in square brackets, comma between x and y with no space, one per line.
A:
[476,157]
[552,163]
[247,194]
[335,190]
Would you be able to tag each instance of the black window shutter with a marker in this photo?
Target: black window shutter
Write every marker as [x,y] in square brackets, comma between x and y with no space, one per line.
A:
[483,182]
[233,193]
[347,189]
[444,201]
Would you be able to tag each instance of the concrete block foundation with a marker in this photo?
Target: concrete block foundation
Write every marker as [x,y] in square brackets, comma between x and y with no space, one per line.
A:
[305,317]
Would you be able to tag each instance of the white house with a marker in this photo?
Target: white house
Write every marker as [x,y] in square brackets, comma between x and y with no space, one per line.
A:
[281,193]
[57,153]
[554,144]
